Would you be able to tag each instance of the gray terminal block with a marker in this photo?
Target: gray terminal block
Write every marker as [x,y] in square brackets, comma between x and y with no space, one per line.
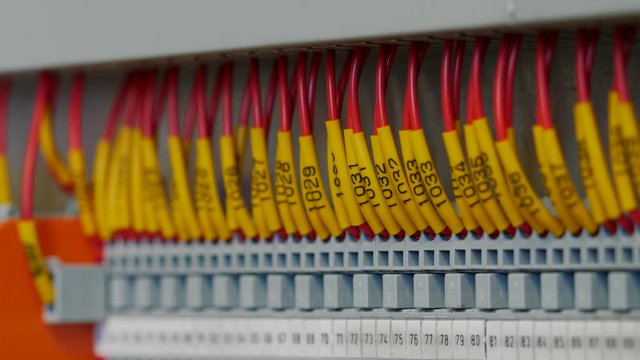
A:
[338,291]
[591,290]
[198,291]
[491,291]
[225,291]
[557,291]
[80,293]
[428,291]
[397,291]
[524,291]
[171,292]
[460,291]
[145,292]
[308,290]
[253,291]
[280,293]
[624,290]
[118,293]
[367,291]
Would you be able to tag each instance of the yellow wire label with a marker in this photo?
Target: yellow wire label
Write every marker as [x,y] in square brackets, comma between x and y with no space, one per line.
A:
[292,211]
[360,185]
[537,215]
[181,187]
[462,185]
[341,190]
[430,178]
[42,280]
[100,171]
[50,153]
[261,189]
[631,145]
[369,178]
[81,191]
[155,188]
[387,189]
[313,193]
[5,181]
[210,210]
[118,186]
[619,166]
[231,180]
[486,144]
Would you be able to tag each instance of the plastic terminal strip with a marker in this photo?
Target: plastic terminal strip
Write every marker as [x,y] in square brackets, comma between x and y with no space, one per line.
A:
[80,293]
[581,273]
[367,335]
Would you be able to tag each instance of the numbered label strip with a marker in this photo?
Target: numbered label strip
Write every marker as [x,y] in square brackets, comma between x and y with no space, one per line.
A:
[171,337]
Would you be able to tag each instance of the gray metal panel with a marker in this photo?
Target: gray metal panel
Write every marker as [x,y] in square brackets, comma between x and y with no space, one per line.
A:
[38,34]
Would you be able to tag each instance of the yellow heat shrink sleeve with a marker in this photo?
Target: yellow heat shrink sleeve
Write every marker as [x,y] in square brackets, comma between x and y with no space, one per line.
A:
[430,178]
[561,175]
[587,175]
[233,191]
[359,185]
[118,186]
[417,187]
[534,211]
[630,141]
[335,190]
[608,197]
[551,187]
[81,192]
[619,166]
[511,138]
[156,189]
[400,182]
[181,184]
[50,152]
[5,181]
[387,189]
[261,179]
[100,174]
[207,195]
[486,143]
[42,280]
[483,180]
[313,193]
[341,189]
[140,213]
[374,191]
[293,213]
[463,189]
[240,142]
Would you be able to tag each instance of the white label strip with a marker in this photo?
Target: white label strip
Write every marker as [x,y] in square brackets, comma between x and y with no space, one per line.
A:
[185,337]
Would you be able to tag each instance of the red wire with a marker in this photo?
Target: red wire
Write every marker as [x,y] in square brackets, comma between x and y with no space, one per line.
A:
[622,42]
[330,80]
[592,41]
[190,116]
[446,97]
[581,67]
[499,87]
[45,81]
[380,114]
[212,109]
[514,50]
[474,96]
[172,98]
[227,100]
[148,104]
[117,107]
[353,106]
[314,69]
[254,85]
[420,53]
[343,80]
[159,104]
[411,73]
[75,112]
[544,55]
[271,95]
[284,92]
[458,58]
[5,87]
[301,88]
[204,128]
